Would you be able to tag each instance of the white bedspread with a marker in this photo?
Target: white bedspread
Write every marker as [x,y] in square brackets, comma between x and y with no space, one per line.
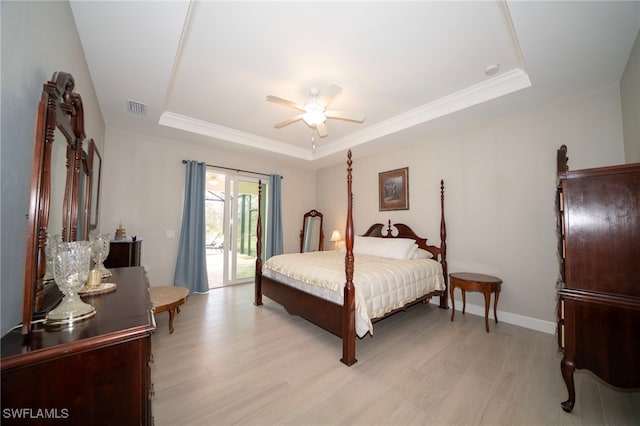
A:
[382,285]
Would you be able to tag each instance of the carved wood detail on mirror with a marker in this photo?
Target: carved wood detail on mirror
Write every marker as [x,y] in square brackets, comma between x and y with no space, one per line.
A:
[59,119]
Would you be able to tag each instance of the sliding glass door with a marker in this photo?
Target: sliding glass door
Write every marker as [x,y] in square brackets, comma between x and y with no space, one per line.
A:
[241,222]
[232,212]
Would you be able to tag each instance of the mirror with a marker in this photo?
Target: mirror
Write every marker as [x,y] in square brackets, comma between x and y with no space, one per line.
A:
[58,183]
[95,165]
[84,197]
[55,189]
[311,236]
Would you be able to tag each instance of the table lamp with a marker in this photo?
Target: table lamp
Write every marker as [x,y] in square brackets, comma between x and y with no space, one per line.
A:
[335,238]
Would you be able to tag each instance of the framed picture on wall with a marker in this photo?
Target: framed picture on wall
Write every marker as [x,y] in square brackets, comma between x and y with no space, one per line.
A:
[393,187]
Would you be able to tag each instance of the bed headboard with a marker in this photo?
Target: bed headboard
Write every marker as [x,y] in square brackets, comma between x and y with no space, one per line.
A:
[400,230]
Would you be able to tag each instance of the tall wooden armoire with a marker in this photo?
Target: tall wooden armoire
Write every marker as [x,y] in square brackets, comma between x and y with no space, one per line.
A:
[599,309]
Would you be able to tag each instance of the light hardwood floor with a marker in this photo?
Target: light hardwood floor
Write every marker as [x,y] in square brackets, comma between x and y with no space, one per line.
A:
[229,362]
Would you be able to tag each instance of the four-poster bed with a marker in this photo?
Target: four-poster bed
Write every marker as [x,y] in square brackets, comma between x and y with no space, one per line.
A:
[415,276]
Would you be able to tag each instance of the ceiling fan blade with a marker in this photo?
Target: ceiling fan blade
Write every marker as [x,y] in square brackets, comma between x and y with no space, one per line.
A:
[277,100]
[332,92]
[288,121]
[322,130]
[344,115]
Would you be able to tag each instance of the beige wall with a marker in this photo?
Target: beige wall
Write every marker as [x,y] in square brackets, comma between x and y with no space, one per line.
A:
[144,186]
[38,39]
[630,99]
[500,194]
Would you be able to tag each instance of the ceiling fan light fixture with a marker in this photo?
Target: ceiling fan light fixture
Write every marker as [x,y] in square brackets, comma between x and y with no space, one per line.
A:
[313,113]
[314,118]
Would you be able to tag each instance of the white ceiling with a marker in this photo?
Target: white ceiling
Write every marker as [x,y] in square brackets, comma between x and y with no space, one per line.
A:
[204,68]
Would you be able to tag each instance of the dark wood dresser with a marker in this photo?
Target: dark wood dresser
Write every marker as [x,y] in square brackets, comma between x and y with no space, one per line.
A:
[123,253]
[599,309]
[95,373]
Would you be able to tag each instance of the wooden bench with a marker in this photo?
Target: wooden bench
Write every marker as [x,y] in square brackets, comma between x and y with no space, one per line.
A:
[168,298]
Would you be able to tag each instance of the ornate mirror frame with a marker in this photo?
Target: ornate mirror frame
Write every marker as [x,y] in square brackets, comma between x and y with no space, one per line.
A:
[311,233]
[60,108]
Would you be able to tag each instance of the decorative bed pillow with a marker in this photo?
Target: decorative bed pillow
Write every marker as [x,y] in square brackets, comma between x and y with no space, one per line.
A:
[391,248]
[412,251]
[422,254]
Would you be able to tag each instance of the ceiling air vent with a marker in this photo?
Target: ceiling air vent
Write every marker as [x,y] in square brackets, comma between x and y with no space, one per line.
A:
[136,107]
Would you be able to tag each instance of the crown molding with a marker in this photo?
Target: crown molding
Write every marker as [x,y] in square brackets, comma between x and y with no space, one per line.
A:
[503,84]
[201,127]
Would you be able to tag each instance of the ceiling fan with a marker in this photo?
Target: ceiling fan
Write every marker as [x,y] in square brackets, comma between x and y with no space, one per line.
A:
[314,113]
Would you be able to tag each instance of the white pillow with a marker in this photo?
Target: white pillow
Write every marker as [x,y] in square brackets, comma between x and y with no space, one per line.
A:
[422,254]
[392,248]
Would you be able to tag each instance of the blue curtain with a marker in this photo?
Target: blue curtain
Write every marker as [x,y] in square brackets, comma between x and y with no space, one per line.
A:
[191,265]
[274,222]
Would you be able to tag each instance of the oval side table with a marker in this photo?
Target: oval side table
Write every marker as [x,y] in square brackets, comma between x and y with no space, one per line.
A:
[470,281]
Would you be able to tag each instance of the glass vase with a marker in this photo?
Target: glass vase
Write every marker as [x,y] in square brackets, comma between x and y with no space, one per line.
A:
[99,251]
[70,270]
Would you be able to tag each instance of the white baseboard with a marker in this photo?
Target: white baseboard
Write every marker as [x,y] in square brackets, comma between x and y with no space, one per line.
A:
[548,327]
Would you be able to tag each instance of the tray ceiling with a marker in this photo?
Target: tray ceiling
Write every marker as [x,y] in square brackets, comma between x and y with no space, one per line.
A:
[203,69]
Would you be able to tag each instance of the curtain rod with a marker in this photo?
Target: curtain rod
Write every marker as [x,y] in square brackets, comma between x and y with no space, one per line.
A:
[232,169]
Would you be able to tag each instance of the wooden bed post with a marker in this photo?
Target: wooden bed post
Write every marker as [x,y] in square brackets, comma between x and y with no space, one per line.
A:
[349,305]
[258,273]
[444,299]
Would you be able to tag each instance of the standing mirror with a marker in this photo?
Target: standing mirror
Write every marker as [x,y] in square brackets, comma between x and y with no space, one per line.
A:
[311,236]
[56,178]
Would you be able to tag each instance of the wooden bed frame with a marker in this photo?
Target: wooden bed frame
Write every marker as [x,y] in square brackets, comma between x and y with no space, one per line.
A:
[340,319]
